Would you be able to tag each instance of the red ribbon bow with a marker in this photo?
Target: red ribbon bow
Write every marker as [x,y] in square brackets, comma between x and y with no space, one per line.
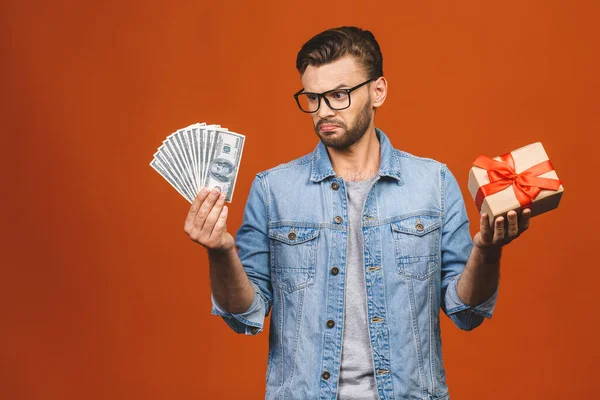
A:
[527,185]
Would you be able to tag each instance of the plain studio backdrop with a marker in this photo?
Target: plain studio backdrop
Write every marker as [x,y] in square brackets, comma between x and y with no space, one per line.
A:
[103,296]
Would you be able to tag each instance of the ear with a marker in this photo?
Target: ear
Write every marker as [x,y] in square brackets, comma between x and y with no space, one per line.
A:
[379,92]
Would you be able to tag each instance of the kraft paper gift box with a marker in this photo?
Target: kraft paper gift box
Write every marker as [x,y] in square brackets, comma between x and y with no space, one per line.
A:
[523,178]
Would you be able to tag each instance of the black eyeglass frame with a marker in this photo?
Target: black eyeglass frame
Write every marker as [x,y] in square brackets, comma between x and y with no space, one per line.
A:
[322,96]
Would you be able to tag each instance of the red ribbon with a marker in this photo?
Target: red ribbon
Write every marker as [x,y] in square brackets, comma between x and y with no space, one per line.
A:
[527,185]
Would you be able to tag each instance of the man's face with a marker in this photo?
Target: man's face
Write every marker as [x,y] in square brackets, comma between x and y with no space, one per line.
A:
[340,129]
[219,169]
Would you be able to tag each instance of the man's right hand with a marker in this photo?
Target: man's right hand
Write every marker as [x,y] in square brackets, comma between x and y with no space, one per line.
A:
[206,222]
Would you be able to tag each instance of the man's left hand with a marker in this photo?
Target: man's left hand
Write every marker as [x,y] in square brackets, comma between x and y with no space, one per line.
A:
[492,241]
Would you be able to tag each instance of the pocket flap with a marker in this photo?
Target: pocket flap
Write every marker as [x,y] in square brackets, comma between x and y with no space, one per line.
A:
[417,225]
[292,234]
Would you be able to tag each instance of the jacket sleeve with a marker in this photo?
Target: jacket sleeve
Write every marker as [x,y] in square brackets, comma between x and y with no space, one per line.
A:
[252,241]
[456,249]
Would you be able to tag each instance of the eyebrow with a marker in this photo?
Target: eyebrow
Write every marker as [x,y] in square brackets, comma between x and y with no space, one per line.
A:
[341,85]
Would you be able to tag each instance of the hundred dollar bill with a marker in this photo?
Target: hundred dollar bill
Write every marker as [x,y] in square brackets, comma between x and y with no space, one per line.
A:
[167,163]
[171,158]
[225,158]
[184,158]
[205,149]
[193,140]
[188,152]
[209,141]
[172,179]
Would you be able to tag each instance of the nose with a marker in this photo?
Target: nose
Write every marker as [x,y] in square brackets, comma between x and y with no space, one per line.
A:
[324,110]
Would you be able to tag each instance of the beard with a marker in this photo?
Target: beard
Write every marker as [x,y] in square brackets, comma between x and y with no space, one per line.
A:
[350,135]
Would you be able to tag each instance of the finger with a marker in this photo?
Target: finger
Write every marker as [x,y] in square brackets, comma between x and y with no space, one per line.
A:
[205,208]
[498,231]
[525,220]
[513,227]
[221,224]
[195,207]
[484,227]
[213,216]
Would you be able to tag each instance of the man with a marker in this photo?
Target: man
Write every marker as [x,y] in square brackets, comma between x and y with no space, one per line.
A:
[354,248]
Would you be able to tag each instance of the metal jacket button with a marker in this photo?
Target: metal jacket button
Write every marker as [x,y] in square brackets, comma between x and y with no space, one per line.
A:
[326,375]
[292,236]
[338,220]
[254,330]
[335,270]
[335,186]
[419,227]
[330,323]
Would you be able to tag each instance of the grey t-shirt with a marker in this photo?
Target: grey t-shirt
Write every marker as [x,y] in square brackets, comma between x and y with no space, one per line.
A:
[357,376]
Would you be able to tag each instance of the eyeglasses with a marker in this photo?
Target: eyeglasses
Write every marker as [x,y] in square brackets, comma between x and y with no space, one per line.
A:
[336,99]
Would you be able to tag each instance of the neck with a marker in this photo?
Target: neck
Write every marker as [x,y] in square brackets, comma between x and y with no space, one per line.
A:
[359,161]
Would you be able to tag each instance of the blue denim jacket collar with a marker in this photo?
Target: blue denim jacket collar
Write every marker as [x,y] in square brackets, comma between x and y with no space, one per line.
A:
[389,165]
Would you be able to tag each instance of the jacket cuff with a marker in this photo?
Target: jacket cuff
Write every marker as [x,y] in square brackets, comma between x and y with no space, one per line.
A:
[454,304]
[250,322]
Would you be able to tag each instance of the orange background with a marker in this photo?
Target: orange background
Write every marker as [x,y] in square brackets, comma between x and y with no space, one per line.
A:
[103,296]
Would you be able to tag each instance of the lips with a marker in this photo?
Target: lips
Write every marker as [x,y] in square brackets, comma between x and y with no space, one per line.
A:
[328,127]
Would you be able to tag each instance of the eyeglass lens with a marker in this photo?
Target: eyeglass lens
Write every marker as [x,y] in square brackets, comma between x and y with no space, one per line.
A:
[336,99]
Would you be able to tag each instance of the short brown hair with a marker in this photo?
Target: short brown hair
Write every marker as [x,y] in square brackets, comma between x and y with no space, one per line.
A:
[333,44]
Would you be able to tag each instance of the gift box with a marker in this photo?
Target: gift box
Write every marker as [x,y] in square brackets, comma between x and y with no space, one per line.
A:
[523,178]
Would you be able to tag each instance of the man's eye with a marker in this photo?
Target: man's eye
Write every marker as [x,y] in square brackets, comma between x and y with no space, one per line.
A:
[339,95]
[312,97]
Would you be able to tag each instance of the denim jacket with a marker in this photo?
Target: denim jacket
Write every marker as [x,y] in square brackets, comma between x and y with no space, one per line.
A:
[292,244]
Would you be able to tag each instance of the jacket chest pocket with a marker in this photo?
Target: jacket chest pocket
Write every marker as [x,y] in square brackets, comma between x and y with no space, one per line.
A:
[416,241]
[293,256]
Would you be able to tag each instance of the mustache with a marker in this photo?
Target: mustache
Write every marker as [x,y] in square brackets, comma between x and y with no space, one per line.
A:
[329,121]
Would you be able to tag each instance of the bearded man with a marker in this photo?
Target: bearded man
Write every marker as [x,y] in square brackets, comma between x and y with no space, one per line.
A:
[353,248]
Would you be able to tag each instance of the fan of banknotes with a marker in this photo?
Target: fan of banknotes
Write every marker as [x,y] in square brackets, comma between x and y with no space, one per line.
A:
[198,156]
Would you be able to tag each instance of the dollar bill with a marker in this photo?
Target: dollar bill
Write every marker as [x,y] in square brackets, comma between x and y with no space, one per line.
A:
[184,147]
[193,140]
[173,180]
[184,156]
[209,143]
[164,159]
[200,155]
[172,159]
[225,158]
